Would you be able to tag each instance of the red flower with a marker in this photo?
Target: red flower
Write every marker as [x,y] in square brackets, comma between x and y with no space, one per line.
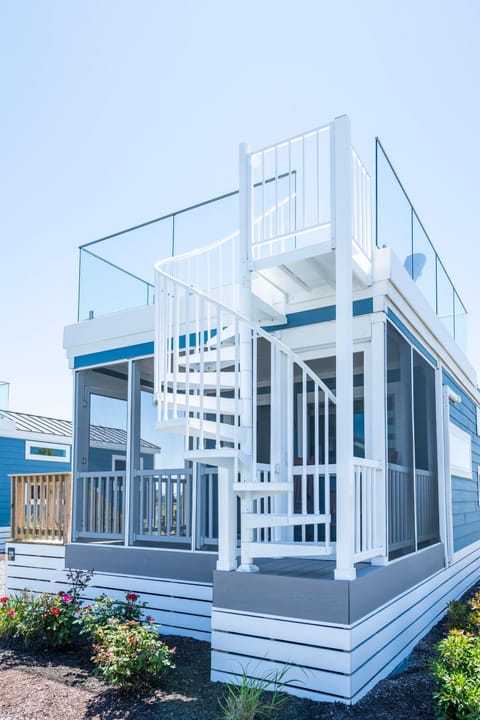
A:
[132,596]
[4,599]
[61,592]
[11,612]
[55,611]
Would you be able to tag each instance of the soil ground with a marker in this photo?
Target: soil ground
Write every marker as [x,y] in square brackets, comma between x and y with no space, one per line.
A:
[60,686]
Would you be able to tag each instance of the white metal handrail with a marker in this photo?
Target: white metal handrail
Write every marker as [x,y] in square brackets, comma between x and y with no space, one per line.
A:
[361,206]
[290,186]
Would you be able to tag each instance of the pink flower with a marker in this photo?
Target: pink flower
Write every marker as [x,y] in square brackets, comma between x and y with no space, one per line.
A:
[4,599]
[55,611]
[131,596]
[67,598]
[11,612]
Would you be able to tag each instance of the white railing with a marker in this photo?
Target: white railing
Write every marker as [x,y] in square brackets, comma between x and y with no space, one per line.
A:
[369,538]
[290,185]
[212,269]
[206,371]
[361,206]
[210,363]
[101,503]
[163,500]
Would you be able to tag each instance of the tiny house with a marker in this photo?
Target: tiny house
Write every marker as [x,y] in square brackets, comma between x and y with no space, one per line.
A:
[298,351]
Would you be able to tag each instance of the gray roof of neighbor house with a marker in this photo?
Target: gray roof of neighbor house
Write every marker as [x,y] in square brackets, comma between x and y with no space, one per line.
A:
[99,435]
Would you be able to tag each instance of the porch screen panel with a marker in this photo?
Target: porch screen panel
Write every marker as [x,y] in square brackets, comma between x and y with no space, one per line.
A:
[401,487]
[426,482]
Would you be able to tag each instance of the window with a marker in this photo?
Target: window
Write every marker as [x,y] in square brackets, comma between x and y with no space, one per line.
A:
[51,452]
[460,452]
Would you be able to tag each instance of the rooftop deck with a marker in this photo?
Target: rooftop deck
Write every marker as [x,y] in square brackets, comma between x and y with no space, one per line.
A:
[292,236]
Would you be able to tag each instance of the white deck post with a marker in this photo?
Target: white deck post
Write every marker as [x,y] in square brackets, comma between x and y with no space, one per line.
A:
[227,521]
[133,447]
[246,365]
[342,239]
[377,430]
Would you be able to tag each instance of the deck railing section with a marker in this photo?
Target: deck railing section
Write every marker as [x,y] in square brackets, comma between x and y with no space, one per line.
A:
[290,185]
[404,528]
[361,206]
[101,502]
[163,499]
[426,495]
[208,502]
[41,507]
[369,539]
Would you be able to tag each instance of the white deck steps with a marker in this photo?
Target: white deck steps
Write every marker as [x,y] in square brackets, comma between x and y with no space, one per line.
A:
[261,520]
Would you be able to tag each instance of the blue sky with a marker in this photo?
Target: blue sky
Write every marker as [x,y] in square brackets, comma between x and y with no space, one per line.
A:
[115,112]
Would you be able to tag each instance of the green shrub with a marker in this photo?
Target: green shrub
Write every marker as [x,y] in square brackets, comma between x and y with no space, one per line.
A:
[131,655]
[456,672]
[249,700]
[465,615]
[96,616]
[44,621]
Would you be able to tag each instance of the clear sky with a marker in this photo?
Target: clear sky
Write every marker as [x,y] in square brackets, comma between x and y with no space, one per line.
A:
[113,112]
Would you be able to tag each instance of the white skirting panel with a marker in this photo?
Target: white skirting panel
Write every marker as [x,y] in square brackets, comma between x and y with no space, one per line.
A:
[330,662]
[180,608]
[5,533]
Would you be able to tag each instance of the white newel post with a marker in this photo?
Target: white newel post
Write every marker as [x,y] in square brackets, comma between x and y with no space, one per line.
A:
[246,365]
[227,521]
[342,239]
[377,430]
[133,448]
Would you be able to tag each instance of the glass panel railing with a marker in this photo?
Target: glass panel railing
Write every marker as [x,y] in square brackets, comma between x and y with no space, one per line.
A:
[105,288]
[445,308]
[423,262]
[117,272]
[399,227]
[461,321]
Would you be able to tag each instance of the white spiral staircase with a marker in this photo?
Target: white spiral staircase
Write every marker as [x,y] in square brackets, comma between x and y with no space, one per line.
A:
[217,369]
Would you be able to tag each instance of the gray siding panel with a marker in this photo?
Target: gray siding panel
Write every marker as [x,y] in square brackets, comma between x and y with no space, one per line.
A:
[144,562]
[465,508]
[321,599]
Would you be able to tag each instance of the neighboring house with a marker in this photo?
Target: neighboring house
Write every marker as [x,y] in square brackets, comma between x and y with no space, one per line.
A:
[326,507]
[33,444]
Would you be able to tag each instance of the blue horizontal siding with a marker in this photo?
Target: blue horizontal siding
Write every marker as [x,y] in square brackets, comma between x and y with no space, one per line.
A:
[465,509]
[305,317]
[13,462]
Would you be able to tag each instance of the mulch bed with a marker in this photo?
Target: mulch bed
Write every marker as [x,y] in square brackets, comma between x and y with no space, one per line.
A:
[60,686]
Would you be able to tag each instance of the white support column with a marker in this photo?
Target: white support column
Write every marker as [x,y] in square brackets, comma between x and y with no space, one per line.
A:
[246,365]
[133,447]
[377,430]
[342,241]
[227,521]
